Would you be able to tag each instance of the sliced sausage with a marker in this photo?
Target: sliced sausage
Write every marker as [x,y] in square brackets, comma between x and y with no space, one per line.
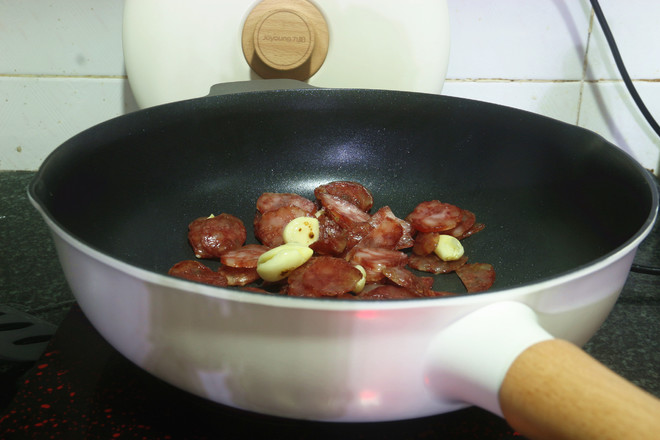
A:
[331,276]
[473,230]
[420,286]
[323,276]
[374,260]
[356,233]
[386,291]
[477,277]
[332,237]
[434,216]
[345,213]
[467,221]
[244,257]
[352,192]
[210,237]
[269,226]
[271,201]
[385,234]
[195,271]
[406,240]
[425,243]
[239,276]
[432,264]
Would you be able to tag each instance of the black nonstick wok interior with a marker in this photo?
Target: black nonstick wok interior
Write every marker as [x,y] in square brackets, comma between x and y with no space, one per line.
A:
[553,197]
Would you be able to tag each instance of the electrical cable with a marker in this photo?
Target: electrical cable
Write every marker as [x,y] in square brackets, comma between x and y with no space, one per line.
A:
[651,270]
[648,270]
[622,68]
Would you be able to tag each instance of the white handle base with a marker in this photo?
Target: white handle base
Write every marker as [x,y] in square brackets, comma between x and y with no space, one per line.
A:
[469,359]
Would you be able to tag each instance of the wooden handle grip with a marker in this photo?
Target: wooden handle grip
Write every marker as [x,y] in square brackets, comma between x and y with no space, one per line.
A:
[554,390]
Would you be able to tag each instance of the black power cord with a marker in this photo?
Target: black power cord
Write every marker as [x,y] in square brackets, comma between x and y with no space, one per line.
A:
[651,270]
[622,68]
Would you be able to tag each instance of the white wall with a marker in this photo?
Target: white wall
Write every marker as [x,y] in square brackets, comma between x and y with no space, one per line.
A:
[550,57]
[61,68]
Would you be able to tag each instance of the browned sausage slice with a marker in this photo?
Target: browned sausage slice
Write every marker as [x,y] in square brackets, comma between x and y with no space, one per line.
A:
[244,257]
[425,243]
[467,222]
[352,192]
[477,277]
[386,291]
[210,237]
[386,235]
[323,276]
[432,264]
[271,201]
[268,227]
[420,286]
[332,237]
[386,212]
[195,271]
[239,276]
[345,213]
[434,216]
[374,260]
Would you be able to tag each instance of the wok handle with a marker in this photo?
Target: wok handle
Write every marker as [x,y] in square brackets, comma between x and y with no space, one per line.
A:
[555,390]
[500,358]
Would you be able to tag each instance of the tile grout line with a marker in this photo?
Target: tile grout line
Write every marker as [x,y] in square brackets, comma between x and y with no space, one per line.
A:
[547,81]
[585,67]
[54,76]
[454,80]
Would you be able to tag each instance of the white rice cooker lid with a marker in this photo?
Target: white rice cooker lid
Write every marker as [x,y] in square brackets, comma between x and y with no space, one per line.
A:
[177,50]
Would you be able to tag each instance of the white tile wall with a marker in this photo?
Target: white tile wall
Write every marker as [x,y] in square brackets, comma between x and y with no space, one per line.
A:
[547,56]
[61,71]
[61,68]
[635,28]
[64,37]
[518,39]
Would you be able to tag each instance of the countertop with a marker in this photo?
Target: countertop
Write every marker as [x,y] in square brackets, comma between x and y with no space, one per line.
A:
[101,393]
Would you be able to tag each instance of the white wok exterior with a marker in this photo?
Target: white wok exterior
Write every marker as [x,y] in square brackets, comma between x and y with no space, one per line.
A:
[326,360]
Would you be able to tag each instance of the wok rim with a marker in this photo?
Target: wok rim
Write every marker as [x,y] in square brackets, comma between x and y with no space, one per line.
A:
[236,294]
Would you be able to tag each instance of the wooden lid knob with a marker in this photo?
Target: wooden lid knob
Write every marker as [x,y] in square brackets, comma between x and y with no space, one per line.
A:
[285,39]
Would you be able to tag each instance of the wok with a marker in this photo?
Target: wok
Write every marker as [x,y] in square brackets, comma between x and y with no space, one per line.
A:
[564,211]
